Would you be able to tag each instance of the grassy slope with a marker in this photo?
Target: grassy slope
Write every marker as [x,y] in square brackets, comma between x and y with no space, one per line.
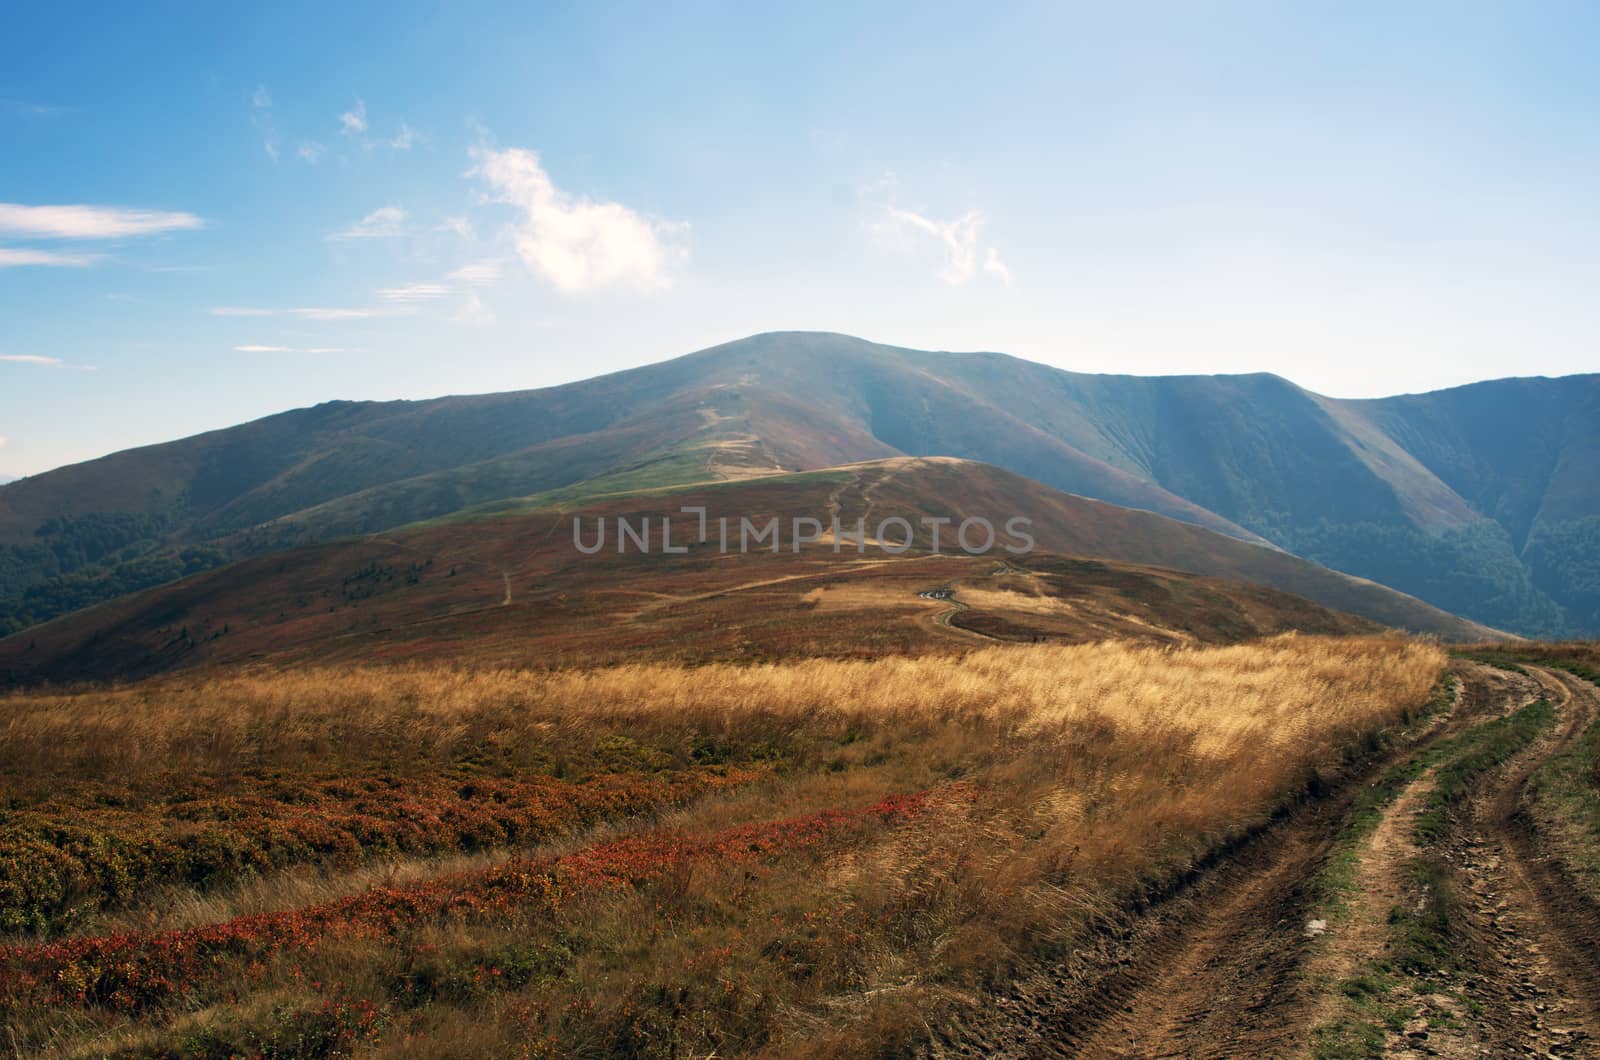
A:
[439,589]
[1433,494]
[926,829]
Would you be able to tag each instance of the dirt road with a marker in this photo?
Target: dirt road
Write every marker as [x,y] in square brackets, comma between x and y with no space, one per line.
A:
[1243,958]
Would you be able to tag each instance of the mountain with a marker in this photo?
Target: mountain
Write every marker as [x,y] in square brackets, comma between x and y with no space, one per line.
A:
[7,478]
[516,590]
[1482,500]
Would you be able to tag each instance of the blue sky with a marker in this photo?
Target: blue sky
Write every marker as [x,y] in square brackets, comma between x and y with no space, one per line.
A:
[208,214]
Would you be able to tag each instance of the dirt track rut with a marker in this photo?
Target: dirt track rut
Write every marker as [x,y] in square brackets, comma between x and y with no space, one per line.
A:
[1225,966]
[1534,938]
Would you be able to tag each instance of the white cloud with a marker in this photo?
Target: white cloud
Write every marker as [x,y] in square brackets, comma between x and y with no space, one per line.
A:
[89,222]
[995,267]
[310,151]
[405,139]
[386,222]
[28,358]
[353,122]
[473,311]
[413,292]
[574,242]
[3,441]
[295,349]
[955,242]
[261,118]
[477,274]
[310,312]
[33,110]
[322,313]
[13,257]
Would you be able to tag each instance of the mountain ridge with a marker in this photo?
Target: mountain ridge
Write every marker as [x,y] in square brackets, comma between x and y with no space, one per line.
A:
[1481,499]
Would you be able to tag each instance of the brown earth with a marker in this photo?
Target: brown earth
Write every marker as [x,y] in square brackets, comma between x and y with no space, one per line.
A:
[1239,960]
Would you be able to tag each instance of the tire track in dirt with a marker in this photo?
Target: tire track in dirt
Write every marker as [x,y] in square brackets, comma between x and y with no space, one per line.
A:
[1205,969]
[1533,935]
[1361,933]
[1223,965]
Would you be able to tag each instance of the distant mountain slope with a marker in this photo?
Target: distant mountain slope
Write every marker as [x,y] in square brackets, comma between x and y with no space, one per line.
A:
[1483,500]
[515,590]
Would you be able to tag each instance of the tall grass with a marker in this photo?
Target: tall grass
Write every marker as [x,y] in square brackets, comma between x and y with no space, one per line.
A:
[1086,774]
[1296,694]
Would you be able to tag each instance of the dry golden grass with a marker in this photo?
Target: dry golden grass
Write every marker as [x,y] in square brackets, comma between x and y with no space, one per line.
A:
[1286,693]
[1089,772]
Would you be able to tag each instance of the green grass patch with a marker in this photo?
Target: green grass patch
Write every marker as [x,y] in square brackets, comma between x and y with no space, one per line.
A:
[1568,788]
[1472,754]
[1419,932]
[1498,659]
[1420,945]
[1337,880]
[1360,1033]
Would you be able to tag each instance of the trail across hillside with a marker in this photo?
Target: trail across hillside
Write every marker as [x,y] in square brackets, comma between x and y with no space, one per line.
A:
[1248,958]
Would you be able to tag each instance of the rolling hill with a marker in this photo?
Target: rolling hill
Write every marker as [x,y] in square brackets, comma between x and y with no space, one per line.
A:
[1483,500]
[515,590]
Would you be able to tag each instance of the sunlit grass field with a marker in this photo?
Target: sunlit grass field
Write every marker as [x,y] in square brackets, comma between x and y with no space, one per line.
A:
[805,858]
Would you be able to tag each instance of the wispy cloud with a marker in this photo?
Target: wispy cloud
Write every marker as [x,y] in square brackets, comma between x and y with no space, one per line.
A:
[353,122]
[14,257]
[89,222]
[261,118]
[327,313]
[386,222]
[33,110]
[296,349]
[310,151]
[576,243]
[995,267]
[413,292]
[473,311]
[478,274]
[311,312]
[956,242]
[29,358]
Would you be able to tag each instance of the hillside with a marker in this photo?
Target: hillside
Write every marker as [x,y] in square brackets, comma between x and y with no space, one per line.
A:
[1483,500]
[514,589]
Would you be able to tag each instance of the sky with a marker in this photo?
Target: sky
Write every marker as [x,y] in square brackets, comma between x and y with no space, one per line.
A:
[210,213]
